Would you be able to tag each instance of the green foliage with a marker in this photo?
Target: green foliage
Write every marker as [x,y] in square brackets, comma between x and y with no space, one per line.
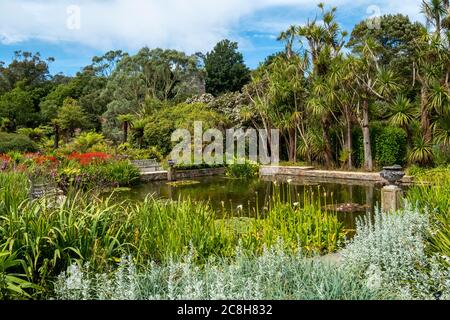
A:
[160,126]
[49,235]
[422,152]
[128,151]
[26,68]
[13,285]
[98,175]
[275,275]
[431,193]
[16,142]
[391,147]
[71,116]
[158,132]
[17,105]
[225,69]
[245,170]
[395,35]
[86,141]
[402,112]
[35,134]
[53,102]
[121,173]
[197,166]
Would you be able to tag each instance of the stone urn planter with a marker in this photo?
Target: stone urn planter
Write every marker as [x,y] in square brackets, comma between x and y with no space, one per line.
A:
[393,174]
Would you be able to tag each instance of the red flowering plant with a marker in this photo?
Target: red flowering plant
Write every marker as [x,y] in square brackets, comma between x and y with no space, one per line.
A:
[5,160]
[89,158]
[40,166]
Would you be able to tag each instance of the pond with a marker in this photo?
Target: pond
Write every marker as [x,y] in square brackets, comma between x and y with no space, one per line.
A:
[244,197]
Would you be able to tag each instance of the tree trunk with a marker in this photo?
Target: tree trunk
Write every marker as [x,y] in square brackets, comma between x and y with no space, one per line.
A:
[292,145]
[327,141]
[125,132]
[56,138]
[349,143]
[368,161]
[425,116]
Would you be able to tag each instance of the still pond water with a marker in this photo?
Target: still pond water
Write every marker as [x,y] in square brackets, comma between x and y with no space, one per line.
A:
[243,197]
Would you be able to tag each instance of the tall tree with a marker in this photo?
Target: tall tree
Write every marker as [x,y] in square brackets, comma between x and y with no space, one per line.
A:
[371,83]
[225,69]
[395,37]
[325,42]
[28,68]
[17,106]
[432,67]
[72,117]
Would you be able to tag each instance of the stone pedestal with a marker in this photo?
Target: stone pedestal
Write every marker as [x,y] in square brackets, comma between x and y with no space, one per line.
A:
[171,174]
[391,198]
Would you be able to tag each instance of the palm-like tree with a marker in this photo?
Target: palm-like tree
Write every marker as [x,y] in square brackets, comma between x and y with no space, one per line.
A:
[371,82]
[325,42]
[289,37]
[138,130]
[431,67]
[441,130]
[422,152]
[436,13]
[126,120]
[402,113]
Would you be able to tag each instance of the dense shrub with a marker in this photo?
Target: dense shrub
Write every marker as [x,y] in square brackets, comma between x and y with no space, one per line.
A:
[391,252]
[16,142]
[158,133]
[88,140]
[126,150]
[97,173]
[274,275]
[391,147]
[245,170]
[160,126]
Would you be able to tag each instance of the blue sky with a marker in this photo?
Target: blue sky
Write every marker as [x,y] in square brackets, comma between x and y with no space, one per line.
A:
[73,31]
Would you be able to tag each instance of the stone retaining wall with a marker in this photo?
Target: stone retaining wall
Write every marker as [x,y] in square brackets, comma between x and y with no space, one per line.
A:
[154,176]
[325,174]
[188,174]
[182,174]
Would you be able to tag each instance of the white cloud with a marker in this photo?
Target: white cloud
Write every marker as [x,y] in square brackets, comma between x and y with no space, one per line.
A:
[190,25]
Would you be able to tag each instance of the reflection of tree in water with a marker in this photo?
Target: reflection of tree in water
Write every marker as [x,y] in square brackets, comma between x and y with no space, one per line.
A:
[245,197]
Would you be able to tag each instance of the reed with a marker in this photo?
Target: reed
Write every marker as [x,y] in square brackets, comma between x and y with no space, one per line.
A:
[48,236]
[431,194]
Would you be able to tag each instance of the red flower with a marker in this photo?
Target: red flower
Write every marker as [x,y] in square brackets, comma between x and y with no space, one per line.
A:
[88,158]
[45,159]
[5,158]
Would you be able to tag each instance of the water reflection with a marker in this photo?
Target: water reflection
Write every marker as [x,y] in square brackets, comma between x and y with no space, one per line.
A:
[246,197]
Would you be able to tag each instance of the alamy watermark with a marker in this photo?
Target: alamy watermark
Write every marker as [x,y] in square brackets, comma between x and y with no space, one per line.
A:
[235,146]
[73,21]
[374,20]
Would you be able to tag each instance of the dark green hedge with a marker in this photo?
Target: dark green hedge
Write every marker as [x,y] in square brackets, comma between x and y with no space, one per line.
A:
[16,142]
[389,145]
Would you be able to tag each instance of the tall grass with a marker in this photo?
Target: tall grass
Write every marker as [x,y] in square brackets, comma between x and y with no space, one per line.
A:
[49,235]
[432,193]
[304,226]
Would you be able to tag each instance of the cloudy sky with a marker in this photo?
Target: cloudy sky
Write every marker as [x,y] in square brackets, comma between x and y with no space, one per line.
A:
[72,31]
